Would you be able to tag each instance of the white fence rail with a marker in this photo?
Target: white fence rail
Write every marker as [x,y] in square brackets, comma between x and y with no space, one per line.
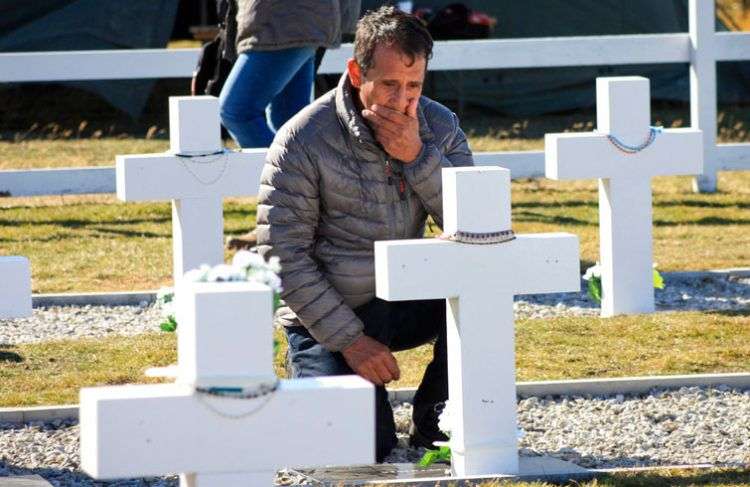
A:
[701,48]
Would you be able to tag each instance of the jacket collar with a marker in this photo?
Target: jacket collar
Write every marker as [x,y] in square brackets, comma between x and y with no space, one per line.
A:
[352,119]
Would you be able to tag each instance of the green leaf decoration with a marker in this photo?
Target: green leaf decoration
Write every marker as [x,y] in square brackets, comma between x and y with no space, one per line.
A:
[595,289]
[169,325]
[658,280]
[276,347]
[276,301]
[442,454]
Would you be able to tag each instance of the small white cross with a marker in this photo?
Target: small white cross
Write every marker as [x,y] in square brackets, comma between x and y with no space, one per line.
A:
[15,287]
[196,185]
[479,282]
[625,213]
[225,339]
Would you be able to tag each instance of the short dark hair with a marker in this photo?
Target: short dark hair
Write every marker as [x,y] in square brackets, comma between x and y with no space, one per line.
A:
[390,26]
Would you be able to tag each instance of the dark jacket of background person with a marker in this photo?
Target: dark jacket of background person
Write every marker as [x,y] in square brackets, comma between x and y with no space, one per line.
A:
[268,25]
[325,198]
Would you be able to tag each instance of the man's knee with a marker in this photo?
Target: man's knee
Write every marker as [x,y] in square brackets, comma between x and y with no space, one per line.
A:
[308,358]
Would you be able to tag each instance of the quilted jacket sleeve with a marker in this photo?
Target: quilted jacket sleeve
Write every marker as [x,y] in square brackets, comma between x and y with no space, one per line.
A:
[288,211]
[424,175]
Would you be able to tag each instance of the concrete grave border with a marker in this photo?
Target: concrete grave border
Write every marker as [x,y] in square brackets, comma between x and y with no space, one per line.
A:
[578,387]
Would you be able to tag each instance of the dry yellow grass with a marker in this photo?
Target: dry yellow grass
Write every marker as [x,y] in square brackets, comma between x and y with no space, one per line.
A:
[550,349]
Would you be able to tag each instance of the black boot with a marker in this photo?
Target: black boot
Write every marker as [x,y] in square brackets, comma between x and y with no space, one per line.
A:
[424,429]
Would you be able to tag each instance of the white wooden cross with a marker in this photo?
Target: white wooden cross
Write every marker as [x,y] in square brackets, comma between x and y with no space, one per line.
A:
[479,282]
[15,287]
[196,184]
[225,340]
[625,213]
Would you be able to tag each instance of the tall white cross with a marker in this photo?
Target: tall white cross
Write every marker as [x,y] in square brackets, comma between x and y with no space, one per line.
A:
[196,183]
[479,282]
[625,213]
[225,340]
[15,287]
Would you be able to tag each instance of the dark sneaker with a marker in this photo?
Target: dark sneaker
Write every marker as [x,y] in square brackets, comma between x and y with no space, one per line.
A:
[424,431]
[243,242]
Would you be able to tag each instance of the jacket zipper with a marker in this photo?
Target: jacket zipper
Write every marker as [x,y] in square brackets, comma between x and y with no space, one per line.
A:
[401,182]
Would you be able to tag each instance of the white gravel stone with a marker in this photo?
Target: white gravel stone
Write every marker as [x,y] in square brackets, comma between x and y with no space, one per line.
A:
[678,427]
[72,322]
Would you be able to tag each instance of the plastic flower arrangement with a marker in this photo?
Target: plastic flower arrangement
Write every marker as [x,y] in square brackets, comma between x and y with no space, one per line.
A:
[593,277]
[245,266]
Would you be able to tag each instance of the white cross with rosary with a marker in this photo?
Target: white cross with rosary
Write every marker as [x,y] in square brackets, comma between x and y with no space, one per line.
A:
[479,282]
[196,174]
[227,421]
[624,153]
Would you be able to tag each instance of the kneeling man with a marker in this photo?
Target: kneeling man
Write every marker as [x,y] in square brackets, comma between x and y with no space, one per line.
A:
[361,164]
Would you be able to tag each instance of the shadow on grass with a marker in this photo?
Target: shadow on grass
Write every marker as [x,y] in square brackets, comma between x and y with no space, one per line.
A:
[708,220]
[531,216]
[557,204]
[7,356]
[700,204]
[732,313]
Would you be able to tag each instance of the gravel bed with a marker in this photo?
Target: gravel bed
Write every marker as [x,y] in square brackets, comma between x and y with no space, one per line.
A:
[74,322]
[679,427]
[714,293]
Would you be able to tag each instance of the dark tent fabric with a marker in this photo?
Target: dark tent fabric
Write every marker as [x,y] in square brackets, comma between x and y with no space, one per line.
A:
[63,25]
[525,92]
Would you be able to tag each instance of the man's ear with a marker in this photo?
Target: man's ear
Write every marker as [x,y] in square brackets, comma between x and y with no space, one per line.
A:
[355,73]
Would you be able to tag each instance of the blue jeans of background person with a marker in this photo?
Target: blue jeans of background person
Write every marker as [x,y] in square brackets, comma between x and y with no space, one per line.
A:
[400,326]
[279,82]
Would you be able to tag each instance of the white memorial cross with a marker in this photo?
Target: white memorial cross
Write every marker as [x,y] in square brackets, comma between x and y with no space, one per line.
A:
[625,153]
[196,175]
[225,340]
[15,287]
[479,282]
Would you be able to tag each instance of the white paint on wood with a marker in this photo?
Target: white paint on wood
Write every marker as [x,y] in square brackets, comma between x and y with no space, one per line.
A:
[625,212]
[449,55]
[15,287]
[206,355]
[192,125]
[41,182]
[734,157]
[703,99]
[98,64]
[225,340]
[479,282]
[195,185]
[144,430]
[732,46]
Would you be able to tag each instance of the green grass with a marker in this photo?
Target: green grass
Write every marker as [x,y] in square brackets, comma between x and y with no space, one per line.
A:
[551,349]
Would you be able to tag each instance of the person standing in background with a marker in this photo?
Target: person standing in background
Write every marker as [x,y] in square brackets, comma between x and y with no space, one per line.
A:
[273,75]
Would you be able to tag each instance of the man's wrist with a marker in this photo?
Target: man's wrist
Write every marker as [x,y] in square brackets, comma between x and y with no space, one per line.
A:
[418,154]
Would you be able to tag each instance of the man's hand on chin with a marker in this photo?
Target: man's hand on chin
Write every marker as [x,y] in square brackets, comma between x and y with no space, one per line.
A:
[397,132]
[372,360]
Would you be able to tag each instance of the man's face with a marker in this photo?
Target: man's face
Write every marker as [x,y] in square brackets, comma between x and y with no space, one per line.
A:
[394,80]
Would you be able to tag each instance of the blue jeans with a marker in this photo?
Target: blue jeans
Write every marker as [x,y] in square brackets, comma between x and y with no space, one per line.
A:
[278,82]
[399,325]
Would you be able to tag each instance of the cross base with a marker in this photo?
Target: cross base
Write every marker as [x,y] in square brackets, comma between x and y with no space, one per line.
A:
[259,479]
[487,460]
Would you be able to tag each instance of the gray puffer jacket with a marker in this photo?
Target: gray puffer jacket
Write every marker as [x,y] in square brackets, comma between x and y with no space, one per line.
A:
[326,196]
[267,25]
